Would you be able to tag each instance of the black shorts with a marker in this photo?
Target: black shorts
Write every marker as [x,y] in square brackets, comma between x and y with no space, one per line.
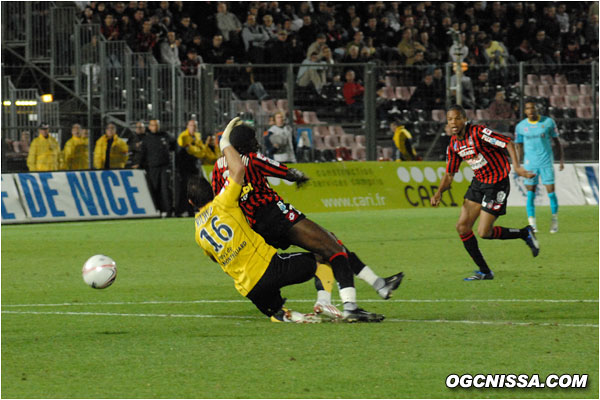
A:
[273,222]
[284,269]
[491,196]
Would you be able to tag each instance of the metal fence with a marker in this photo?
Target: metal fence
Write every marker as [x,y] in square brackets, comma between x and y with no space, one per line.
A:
[126,87]
[62,41]
[22,113]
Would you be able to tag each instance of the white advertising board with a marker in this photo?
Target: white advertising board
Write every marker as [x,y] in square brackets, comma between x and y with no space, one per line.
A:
[78,195]
[566,186]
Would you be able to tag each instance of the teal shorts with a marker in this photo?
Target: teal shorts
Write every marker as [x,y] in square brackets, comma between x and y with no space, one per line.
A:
[546,173]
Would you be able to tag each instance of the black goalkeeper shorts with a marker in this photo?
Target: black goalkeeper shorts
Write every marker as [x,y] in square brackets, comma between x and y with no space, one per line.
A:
[491,196]
[274,221]
[284,269]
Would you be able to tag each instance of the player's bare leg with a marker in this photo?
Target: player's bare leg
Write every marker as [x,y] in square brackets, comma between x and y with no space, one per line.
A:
[383,286]
[531,206]
[312,237]
[469,213]
[553,208]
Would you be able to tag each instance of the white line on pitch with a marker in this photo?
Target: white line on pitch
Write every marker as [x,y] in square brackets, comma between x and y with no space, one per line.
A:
[310,301]
[443,321]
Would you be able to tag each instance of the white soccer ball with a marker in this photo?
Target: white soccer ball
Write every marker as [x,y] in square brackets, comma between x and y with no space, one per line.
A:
[99,271]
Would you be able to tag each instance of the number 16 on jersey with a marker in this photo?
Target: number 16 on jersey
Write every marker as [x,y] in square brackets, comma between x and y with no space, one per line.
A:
[222,231]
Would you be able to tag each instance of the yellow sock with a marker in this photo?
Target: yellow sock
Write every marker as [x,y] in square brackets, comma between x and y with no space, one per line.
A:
[325,275]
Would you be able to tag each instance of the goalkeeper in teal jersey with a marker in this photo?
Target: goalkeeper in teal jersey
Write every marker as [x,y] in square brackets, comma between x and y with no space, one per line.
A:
[535,135]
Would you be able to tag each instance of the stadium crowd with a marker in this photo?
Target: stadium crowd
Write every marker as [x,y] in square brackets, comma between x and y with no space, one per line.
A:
[189,34]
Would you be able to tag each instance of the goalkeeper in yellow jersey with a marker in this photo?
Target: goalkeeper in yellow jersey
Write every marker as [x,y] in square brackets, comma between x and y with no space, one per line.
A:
[258,271]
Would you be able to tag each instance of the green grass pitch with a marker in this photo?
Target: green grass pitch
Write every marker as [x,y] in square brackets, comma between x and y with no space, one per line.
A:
[173,326]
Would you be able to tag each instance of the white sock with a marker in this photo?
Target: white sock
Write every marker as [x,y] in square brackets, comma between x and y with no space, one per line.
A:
[554,217]
[367,275]
[323,297]
[348,296]
[531,221]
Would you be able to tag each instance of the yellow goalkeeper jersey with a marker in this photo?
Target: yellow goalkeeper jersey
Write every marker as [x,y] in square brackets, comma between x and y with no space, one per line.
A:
[224,234]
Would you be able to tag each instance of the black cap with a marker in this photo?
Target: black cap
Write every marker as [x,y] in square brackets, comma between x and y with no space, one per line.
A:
[44,126]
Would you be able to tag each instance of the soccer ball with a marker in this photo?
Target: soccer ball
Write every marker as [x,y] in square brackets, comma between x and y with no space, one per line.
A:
[99,271]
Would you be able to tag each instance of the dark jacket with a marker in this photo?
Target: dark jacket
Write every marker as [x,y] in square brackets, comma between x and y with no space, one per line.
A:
[155,150]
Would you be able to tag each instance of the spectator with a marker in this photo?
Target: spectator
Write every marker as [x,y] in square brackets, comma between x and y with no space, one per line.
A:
[282,140]
[138,21]
[353,27]
[169,50]
[374,31]
[333,35]
[432,54]
[110,151]
[353,92]
[311,75]
[126,31]
[459,52]
[244,82]
[146,40]
[186,30]
[270,27]
[439,86]
[545,48]
[196,44]
[550,25]
[229,25]
[525,53]
[424,96]
[218,53]
[280,51]
[110,28]
[190,150]
[591,30]
[357,40]
[191,65]
[483,90]
[255,38]
[308,33]
[571,54]
[75,152]
[403,141]
[155,158]
[163,10]
[88,17]
[496,55]
[501,111]
[135,143]
[563,20]
[90,56]
[409,47]
[497,33]
[317,46]
[44,152]
[518,32]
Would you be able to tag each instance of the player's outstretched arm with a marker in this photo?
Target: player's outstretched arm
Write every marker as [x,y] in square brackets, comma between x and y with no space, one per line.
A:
[294,175]
[512,152]
[444,185]
[234,161]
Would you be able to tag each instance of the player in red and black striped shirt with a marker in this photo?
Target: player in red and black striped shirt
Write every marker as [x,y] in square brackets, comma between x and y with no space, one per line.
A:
[282,225]
[487,153]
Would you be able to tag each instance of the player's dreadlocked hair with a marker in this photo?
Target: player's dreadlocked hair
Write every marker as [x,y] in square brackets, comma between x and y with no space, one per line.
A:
[459,108]
[243,138]
[199,191]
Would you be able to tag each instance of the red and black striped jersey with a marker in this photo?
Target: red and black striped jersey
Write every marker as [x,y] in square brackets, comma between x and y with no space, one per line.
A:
[484,151]
[256,191]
